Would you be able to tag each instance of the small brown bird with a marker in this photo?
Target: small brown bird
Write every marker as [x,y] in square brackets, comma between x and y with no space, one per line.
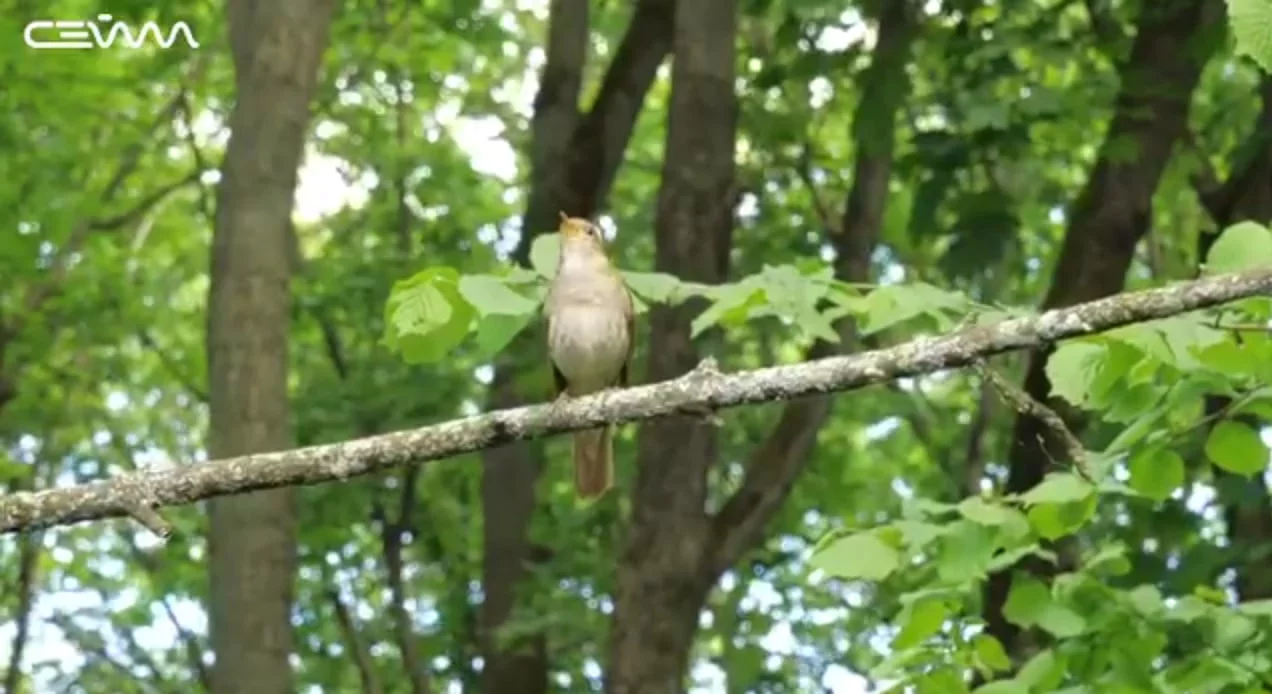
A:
[590,329]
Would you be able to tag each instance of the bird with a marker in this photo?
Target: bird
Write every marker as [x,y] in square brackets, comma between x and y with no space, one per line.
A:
[590,338]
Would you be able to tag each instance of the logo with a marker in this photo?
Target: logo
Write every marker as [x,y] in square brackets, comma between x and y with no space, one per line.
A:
[60,33]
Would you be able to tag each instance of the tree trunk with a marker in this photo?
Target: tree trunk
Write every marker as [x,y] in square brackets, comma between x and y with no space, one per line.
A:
[662,579]
[277,48]
[574,159]
[1109,218]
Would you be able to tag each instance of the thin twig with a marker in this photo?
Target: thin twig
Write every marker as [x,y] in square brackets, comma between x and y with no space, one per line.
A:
[1025,404]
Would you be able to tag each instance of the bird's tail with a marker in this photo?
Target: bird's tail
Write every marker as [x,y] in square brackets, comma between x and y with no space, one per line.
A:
[593,461]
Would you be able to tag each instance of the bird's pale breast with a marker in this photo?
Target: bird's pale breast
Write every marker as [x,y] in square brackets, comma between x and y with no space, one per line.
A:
[588,344]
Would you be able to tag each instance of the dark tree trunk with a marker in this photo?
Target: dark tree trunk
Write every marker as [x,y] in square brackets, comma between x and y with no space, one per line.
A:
[574,159]
[277,48]
[662,579]
[674,552]
[1109,217]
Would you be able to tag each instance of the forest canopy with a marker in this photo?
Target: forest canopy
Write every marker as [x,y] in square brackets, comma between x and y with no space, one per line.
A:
[951,365]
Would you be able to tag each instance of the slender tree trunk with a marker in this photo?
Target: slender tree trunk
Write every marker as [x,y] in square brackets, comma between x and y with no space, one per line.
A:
[662,579]
[277,47]
[1109,218]
[574,159]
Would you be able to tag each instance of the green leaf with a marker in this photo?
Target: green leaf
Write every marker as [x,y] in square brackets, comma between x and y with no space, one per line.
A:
[897,303]
[732,305]
[1026,600]
[966,551]
[978,510]
[425,316]
[1156,472]
[1061,622]
[495,331]
[657,287]
[1257,608]
[919,622]
[1146,600]
[1244,245]
[1042,673]
[491,296]
[990,653]
[1073,369]
[918,534]
[861,555]
[1252,27]
[1057,488]
[1237,448]
[545,253]
[1110,559]
[943,681]
[1002,687]
[1052,521]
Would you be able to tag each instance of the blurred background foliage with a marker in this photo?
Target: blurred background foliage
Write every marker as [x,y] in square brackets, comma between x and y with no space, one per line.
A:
[418,157]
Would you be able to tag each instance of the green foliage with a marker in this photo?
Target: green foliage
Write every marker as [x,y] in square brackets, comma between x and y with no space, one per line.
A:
[406,292]
[1105,631]
[1252,25]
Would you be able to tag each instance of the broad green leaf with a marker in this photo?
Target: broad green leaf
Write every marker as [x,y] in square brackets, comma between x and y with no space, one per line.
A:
[495,331]
[1252,27]
[1237,448]
[1244,245]
[919,622]
[965,552]
[1156,472]
[656,287]
[942,681]
[1257,608]
[1057,488]
[861,555]
[425,316]
[545,253]
[1232,629]
[1053,521]
[918,534]
[1060,621]
[1147,600]
[892,304]
[980,511]
[1011,686]
[1042,673]
[990,653]
[1073,369]
[732,305]
[490,296]
[1109,559]
[1026,601]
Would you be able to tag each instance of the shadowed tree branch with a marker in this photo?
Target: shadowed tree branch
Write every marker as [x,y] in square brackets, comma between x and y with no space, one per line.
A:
[701,390]
[357,649]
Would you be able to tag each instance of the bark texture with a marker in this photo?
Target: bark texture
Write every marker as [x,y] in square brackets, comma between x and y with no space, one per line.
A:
[1107,221]
[662,579]
[574,159]
[277,49]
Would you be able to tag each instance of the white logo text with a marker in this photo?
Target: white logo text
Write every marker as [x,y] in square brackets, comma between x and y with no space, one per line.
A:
[58,33]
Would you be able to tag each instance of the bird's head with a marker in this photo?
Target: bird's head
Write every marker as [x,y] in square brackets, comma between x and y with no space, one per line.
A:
[580,236]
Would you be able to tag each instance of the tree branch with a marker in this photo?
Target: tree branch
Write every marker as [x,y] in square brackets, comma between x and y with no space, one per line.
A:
[701,389]
[361,656]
